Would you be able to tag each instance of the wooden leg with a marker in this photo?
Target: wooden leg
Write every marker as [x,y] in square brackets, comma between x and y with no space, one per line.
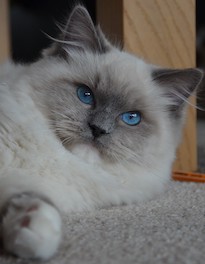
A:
[4,30]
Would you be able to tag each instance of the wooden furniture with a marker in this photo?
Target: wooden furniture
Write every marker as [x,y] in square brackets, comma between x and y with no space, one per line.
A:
[4,31]
[162,32]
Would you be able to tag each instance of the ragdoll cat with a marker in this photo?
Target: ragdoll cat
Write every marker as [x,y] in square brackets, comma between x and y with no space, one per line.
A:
[86,126]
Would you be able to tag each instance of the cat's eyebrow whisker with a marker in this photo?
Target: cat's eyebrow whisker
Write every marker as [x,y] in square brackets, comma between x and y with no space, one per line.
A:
[66,42]
[184,99]
[60,26]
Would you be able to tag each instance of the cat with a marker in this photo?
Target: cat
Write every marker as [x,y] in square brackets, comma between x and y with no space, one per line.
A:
[86,126]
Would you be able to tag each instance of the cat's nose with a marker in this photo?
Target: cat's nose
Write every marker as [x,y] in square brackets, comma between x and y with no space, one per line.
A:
[97,131]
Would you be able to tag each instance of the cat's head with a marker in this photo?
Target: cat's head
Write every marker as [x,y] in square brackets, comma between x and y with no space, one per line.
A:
[98,95]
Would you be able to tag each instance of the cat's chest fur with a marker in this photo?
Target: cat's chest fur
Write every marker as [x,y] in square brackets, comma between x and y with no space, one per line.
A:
[87,152]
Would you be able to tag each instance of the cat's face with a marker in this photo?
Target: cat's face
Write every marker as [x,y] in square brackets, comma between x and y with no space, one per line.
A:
[105,101]
[110,100]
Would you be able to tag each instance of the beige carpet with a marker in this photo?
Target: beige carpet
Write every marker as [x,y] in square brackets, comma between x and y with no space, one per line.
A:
[169,229]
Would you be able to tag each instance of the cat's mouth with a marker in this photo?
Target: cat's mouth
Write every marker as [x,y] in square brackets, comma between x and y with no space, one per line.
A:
[89,148]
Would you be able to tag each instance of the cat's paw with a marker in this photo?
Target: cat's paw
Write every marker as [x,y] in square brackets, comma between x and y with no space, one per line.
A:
[31,228]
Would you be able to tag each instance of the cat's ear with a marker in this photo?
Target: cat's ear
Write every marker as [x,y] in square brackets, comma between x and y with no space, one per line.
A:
[79,34]
[178,85]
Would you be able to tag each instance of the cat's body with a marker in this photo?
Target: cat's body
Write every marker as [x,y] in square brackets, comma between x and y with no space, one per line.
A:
[58,152]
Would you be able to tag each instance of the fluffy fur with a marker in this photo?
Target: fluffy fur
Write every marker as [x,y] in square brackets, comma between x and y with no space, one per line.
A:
[49,158]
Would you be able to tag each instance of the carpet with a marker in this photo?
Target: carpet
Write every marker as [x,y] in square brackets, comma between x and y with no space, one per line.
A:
[169,229]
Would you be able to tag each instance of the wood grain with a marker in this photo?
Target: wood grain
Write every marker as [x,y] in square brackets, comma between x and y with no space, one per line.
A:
[162,32]
[4,30]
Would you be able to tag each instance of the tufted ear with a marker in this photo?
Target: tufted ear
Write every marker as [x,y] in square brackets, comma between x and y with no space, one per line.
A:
[178,85]
[79,34]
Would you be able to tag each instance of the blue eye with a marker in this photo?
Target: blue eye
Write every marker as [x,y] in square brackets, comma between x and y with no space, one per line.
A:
[85,94]
[131,118]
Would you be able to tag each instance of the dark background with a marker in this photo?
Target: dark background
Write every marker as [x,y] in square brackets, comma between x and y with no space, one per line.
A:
[30,18]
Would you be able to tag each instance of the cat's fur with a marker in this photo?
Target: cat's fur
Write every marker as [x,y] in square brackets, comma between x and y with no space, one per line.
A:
[51,163]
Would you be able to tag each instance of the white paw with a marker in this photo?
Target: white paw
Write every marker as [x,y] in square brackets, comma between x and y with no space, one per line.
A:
[31,228]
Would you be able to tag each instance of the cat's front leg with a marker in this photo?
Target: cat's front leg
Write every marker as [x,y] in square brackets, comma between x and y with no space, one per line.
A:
[31,227]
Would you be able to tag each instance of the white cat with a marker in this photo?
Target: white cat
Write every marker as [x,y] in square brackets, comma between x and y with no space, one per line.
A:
[86,126]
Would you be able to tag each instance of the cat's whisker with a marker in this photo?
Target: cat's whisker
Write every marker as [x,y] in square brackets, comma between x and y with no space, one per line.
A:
[128,154]
[184,99]
[67,140]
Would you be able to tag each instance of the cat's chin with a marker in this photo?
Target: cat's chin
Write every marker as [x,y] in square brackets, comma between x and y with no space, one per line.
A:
[87,152]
